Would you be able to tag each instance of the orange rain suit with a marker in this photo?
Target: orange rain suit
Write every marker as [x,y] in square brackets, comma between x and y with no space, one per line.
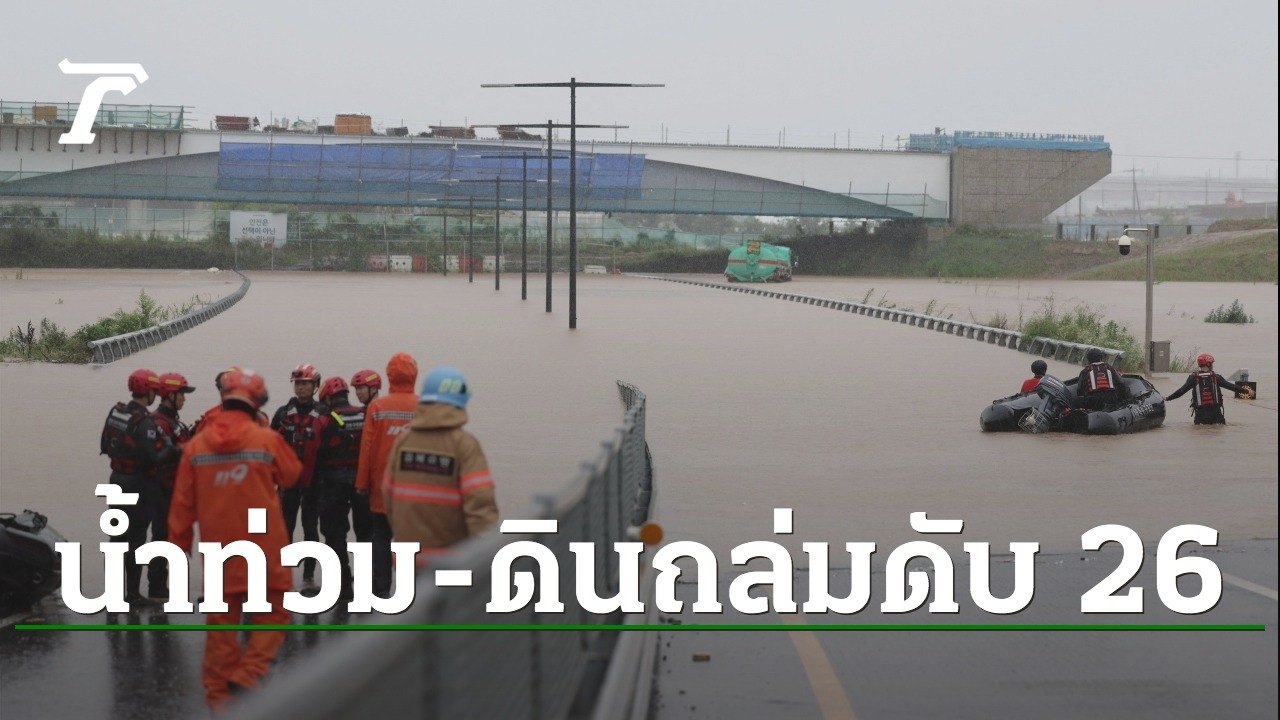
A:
[384,419]
[232,465]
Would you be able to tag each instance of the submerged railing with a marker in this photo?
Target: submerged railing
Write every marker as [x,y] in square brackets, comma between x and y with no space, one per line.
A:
[1044,347]
[118,346]
[471,670]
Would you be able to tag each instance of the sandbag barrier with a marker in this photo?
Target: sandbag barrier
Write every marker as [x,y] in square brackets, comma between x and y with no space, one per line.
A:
[1066,351]
[116,347]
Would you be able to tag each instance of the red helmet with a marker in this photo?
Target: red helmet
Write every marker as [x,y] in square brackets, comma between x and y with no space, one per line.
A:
[143,381]
[1204,359]
[367,378]
[244,386]
[333,386]
[217,379]
[305,371]
[173,383]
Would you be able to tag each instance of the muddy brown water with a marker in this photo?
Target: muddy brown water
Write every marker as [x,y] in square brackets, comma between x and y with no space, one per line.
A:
[753,403]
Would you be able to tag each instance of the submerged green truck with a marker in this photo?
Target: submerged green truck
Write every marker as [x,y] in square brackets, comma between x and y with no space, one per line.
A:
[757,261]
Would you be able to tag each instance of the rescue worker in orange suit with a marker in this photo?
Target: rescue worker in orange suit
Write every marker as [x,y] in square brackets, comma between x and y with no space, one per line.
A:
[173,396]
[336,463]
[438,490]
[384,419]
[1100,385]
[298,421]
[134,445]
[212,412]
[1038,370]
[235,465]
[367,383]
[1206,400]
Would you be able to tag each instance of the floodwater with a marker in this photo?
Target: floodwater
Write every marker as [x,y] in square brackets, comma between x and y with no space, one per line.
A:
[753,403]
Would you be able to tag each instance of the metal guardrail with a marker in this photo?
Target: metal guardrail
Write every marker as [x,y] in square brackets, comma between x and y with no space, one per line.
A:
[1044,347]
[469,673]
[116,347]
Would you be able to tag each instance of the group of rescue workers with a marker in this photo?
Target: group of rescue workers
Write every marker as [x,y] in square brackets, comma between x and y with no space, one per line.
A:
[392,466]
[1100,385]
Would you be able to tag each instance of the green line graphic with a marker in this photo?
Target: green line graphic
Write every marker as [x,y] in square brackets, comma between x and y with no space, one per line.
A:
[964,627]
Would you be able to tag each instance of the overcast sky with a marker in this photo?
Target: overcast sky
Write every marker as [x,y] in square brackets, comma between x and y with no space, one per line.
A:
[1176,86]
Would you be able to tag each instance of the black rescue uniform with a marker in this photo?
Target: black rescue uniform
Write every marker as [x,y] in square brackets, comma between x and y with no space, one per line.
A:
[336,462]
[1206,398]
[136,449]
[300,424]
[1099,386]
[172,433]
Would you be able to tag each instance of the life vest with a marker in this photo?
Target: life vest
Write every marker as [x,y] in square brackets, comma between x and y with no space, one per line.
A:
[175,430]
[341,449]
[1101,378]
[118,438]
[1207,392]
[299,427]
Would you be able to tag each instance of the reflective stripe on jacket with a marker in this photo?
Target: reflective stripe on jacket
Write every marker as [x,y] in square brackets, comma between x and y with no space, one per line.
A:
[438,489]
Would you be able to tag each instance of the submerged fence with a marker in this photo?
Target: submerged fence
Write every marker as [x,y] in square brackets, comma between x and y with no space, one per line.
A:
[471,672]
[1044,347]
[118,346]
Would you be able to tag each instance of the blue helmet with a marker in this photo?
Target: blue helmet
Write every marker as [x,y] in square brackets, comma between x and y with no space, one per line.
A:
[445,385]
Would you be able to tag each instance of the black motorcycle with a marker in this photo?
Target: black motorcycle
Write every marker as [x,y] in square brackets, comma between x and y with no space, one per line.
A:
[29,566]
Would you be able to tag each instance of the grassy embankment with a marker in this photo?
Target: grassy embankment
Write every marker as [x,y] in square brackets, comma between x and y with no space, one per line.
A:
[49,342]
[1251,258]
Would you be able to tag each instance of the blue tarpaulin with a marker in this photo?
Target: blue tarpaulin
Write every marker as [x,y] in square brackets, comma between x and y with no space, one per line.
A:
[456,172]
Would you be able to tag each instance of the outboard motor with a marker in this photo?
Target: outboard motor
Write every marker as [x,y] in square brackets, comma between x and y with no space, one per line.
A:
[29,568]
[1056,402]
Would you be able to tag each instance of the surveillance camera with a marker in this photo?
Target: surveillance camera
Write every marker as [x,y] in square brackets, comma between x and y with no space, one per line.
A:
[1124,243]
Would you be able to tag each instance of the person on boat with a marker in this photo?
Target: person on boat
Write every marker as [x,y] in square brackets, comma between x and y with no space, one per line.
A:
[336,462]
[1100,385]
[1038,369]
[132,442]
[438,490]
[173,397]
[298,421]
[1206,401]
[384,420]
[236,465]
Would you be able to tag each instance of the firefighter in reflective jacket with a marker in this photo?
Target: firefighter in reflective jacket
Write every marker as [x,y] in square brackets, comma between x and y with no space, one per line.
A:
[1206,400]
[384,419]
[336,463]
[438,490]
[235,465]
[173,396]
[1099,385]
[130,439]
[297,421]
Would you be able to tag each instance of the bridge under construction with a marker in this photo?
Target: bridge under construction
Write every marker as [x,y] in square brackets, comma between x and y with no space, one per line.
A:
[148,153]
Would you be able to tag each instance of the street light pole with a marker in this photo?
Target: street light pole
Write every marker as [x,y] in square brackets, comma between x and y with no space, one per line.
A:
[524,226]
[471,257]
[550,221]
[1125,240]
[497,233]
[573,86]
